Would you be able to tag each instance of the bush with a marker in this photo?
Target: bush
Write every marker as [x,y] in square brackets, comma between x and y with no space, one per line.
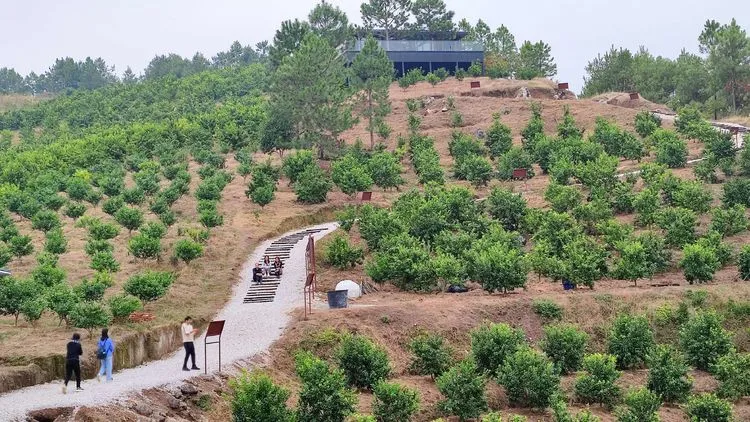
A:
[313,186]
[733,373]
[743,262]
[104,262]
[61,300]
[75,210]
[704,340]
[144,247]
[646,204]
[48,275]
[567,129]
[89,316]
[121,306]
[130,218]
[562,198]
[385,170]
[347,217]
[463,388]
[498,268]
[55,242]
[560,413]
[460,74]
[646,123]
[672,152]
[154,230]
[210,218]
[708,408]
[729,221]
[630,340]
[547,309]
[350,175]
[256,398]
[736,191]
[364,363]
[699,263]
[342,255]
[474,168]
[168,218]
[95,246]
[90,290]
[394,403]
[320,380]
[642,406]
[149,286]
[491,344]
[598,383]
[513,159]
[45,221]
[565,345]
[187,250]
[529,378]
[103,231]
[134,196]
[668,375]
[431,355]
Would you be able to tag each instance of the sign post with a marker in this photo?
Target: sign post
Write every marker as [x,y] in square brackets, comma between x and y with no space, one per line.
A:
[309,290]
[215,329]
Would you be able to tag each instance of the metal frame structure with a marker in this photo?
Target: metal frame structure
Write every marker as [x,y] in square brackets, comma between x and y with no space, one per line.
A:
[215,328]
[309,290]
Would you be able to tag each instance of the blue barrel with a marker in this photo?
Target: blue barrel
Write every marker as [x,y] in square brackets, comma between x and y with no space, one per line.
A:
[337,299]
[567,285]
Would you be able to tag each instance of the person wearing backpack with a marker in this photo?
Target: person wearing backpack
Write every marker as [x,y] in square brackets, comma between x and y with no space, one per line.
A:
[105,353]
[73,363]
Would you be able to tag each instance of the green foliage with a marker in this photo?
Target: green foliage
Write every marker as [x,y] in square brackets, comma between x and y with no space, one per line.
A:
[693,196]
[33,309]
[134,196]
[491,344]
[121,306]
[670,150]
[104,262]
[457,119]
[255,397]
[187,250]
[90,290]
[14,293]
[560,413]
[704,340]
[431,355]
[55,242]
[515,158]
[743,262]
[729,221]
[210,218]
[342,255]
[498,138]
[394,403]
[733,373]
[154,230]
[320,380]
[708,408]
[364,363]
[646,204]
[295,164]
[584,261]
[89,316]
[464,390]
[641,405]
[646,123]
[529,378]
[565,344]
[547,309]
[633,262]
[737,191]
[313,186]
[426,160]
[474,168]
[507,207]
[61,300]
[630,340]
[144,247]
[498,268]
[75,210]
[567,128]
[668,374]
[112,205]
[385,170]
[598,383]
[699,263]
[350,175]
[130,218]
[678,225]
[103,231]
[45,221]
[562,198]
[149,286]
[48,275]
[712,240]
[95,246]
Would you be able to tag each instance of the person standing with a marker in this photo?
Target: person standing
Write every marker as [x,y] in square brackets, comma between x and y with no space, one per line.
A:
[105,353]
[188,334]
[73,362]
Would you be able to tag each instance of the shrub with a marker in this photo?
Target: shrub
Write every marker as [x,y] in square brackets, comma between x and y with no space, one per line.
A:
[45,221]
[743,262]
[712,240]
[704,340]
[646,123]
[103,231]
[733,373]
[89,316]
[313,186]
[693,196]
[130,218]
[491,344]
[342,255]
[630,340]
[672,152]
[699,263]
[347,217]
[729,221]
[320,380]
[646,204]
[94,246]
[364,363]
[498,138]
[61,300]
[431,355]
[560,413]
[565,345]
[90,290]
[394,403]
[708,408]
[641,406]
[668,375]
[529,378]
[598,383]
[144,247]
[460,74]
[432,79]
[134,196]
[474,168]
[567,129]
[736,191]
[463,388]
[187,250]
[33,309]
[385,170]
[513,159]
[255,397]
[154,230]
[48,275]
[563,198]
[350,175]
[149,286]
[507,207]
[210,218]
[498,268]
[547,309]
[168,218]
[55,242]
[121,306]
[75,210]
[104,262]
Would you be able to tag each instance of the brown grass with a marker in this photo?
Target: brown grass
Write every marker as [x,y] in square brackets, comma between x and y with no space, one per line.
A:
[15,101]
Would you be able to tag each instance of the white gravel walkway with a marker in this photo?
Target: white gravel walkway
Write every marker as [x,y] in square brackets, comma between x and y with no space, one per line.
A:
[249,330]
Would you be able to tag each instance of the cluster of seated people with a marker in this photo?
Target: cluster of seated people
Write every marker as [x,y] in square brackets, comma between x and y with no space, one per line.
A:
[267,268]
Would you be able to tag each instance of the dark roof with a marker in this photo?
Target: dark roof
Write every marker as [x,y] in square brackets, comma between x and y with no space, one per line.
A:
[414,35]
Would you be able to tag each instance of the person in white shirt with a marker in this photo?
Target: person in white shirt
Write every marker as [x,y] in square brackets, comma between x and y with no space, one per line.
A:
[188,334]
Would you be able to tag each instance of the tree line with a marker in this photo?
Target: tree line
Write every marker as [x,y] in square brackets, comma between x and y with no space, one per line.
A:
[718,80]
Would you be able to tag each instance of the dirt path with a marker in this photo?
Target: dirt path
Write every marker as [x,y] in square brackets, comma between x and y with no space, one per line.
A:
[250,329]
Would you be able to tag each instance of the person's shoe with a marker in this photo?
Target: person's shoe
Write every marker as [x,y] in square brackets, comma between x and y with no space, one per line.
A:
[79,389]
[65,389]
[195,368]
[98,378]
[185,368]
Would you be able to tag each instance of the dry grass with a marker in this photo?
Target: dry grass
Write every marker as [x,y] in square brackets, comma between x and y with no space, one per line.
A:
[740,120]
[15,101]
[622,99]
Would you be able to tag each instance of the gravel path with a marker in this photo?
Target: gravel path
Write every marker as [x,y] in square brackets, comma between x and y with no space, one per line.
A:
[250,329]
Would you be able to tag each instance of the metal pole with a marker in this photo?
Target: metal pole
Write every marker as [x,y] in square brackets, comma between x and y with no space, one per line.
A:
[205,356]
[219,353]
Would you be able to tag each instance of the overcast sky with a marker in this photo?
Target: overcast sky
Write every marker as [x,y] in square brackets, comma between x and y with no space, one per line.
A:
[130,32]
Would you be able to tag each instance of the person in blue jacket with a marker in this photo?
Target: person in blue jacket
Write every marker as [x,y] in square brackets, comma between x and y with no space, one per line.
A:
[105,353]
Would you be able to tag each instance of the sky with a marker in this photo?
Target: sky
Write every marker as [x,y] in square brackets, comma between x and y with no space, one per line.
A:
[131,32]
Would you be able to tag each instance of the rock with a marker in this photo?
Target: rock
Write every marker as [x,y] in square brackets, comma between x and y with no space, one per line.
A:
[188,389]
[353,290]
[143,409]
[174,404]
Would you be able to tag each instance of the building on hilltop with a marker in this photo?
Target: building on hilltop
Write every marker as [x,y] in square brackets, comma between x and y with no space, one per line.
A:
[425,50]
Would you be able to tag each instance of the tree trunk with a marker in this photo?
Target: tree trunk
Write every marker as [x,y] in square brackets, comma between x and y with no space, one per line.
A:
[16,322]
[370,115]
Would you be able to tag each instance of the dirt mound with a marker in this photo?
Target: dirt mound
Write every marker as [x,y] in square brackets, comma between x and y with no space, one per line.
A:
[623,99]
[538,88]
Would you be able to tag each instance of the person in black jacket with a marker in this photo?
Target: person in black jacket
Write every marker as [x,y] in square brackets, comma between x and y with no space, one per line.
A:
[73,363]
[257,274]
